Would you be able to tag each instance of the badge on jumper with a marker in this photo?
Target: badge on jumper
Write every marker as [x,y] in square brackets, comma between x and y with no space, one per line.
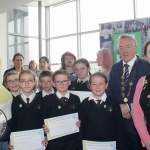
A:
[20,105]
[105,106]
[59,107]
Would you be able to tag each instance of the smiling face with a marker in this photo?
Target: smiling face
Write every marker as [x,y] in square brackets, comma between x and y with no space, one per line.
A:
[18,61]
[127,49]
[61,83]
[69,60]
[46,83]
[81,70]
[27,83]
[33,66]
[98,86]
[12,83]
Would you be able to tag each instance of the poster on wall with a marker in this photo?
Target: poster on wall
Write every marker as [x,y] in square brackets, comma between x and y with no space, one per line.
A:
[137,28]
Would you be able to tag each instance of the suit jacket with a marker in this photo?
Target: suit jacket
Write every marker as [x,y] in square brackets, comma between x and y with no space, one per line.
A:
[114,89]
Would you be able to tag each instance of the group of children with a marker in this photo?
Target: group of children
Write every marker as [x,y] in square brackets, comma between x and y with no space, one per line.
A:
[100,116]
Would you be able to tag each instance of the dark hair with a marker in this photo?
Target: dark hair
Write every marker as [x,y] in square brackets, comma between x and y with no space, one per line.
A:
[29,72]
[18,54]
[33,62]
[84,61]
[46,73]
[145,47]
[60,72]
[99,74]
[47,60]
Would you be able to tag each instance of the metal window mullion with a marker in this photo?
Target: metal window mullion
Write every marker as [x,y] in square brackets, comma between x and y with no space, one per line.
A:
[47,31]
[79,52]
[40,27]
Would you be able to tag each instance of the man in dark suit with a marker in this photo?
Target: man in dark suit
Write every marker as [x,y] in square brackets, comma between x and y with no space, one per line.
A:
[123,79]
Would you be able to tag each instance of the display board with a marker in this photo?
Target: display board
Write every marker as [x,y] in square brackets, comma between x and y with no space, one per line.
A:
[109,32]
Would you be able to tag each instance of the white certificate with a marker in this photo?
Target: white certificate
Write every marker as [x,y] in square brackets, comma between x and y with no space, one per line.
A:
[62,125]
[90,145]
[82,94]
[28,140]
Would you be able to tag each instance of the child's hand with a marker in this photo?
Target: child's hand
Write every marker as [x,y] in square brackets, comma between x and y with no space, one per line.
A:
[78,123]
[45,141]
[46,130]
[11,147]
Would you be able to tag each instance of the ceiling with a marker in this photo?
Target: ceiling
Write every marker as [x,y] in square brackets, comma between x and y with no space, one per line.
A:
[7,5]
[45,2]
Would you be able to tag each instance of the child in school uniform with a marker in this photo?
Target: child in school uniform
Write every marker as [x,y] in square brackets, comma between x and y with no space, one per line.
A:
[45,81]
[82,70]
[100,115]
[27,107]
[11,80]
[58,104]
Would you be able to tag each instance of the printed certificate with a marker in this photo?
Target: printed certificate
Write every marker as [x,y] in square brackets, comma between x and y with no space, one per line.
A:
[28,140]
[90,145]
[82,94]
[62,125]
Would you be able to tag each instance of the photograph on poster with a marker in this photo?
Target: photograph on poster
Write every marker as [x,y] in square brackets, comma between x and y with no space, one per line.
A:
[136,36]
[109,30]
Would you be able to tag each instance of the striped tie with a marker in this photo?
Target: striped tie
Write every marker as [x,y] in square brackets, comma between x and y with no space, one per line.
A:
[126,73]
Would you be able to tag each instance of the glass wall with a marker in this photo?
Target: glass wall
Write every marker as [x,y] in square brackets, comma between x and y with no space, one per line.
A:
[70,26]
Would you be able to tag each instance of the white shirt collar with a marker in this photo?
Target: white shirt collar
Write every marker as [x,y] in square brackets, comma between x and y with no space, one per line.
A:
[131,62]
[103,97]
[44,93]
[31,97]
[84,80]
[67,95]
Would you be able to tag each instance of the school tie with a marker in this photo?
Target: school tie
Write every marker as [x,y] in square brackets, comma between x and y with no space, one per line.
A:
[98,102]
[27,101]
[126,73]
[63,99]
[80,82]
[46,95]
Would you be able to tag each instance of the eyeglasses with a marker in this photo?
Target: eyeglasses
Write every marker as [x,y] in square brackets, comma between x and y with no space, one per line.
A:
[61,82]
[69,58]
[12,81]
[29,81]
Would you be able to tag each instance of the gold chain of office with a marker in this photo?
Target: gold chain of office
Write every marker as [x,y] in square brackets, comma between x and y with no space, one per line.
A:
[124,96]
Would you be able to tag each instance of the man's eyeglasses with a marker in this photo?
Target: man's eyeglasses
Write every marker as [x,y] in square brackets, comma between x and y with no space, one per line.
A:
[61,82]
[12,81]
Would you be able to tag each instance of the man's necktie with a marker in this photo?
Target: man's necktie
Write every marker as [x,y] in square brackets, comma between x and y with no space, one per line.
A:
[98,102]
[126,73]
[63,99]
[27,101]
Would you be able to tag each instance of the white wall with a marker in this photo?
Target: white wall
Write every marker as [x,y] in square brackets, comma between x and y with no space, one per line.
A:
[3,44]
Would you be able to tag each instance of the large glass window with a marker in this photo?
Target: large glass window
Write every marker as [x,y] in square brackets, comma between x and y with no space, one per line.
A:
[90,46]
[143,8]
[61,45]
[94,12]
[63,19]
[24,20]
[28,47]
